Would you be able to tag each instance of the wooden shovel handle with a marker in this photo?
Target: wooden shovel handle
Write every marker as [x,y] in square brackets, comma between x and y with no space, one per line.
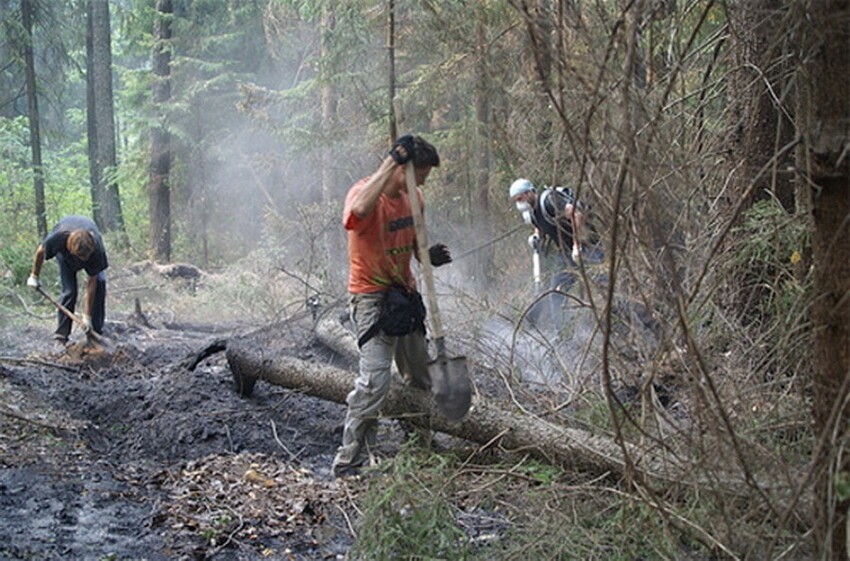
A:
[90,333]
[424,257]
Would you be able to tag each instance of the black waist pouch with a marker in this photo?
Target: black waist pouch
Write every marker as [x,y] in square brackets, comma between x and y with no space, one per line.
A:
[402,313]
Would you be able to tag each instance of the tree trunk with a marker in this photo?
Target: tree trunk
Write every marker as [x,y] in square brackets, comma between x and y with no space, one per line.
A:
[539,26]
[823,112]
[333,238]
[391,67]
[759,123]
[253,357]
[95,171]
[759,127]
[481,214]
[35,134]
[159,191]
[101,118]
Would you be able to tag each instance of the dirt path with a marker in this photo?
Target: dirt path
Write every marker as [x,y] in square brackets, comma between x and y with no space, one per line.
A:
[131,455]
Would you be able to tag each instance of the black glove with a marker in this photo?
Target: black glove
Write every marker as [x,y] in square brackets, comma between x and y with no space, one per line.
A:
[405,142]
[439,254]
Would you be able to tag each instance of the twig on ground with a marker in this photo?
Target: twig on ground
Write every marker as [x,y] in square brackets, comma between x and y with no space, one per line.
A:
[230,537]
[23,361]
[27,309]
[347,521]
[292,457]
[26,419]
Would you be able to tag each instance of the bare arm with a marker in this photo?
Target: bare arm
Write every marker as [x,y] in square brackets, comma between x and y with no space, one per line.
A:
[577,221]
[364,202]
[91,290]
[37,261]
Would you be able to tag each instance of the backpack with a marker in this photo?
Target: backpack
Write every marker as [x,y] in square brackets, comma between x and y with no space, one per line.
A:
[550,206]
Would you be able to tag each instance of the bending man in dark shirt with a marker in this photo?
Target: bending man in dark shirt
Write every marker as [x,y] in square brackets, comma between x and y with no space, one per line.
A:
[76,243]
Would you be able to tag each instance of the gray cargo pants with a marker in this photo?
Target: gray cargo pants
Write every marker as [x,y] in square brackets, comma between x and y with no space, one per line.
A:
[373,383]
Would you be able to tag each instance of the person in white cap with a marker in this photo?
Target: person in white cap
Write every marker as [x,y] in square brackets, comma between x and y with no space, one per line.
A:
[559,221]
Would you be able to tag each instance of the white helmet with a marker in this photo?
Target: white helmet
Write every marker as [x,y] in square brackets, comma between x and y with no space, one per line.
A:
[519,187]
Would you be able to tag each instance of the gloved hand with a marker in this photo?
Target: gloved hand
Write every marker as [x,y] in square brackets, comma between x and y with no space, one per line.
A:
[576,253]
[86,323]
[33,282]
[405,142]
[439,254]
[533,241]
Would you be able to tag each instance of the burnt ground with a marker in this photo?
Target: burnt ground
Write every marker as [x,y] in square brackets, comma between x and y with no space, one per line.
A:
[128,453]
[138,451]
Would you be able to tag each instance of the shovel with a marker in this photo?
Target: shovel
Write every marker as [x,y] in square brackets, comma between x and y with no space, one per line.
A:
[449,377]
[91,334]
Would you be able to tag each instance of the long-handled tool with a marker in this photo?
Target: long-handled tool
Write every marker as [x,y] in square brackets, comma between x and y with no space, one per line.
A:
[449,375]
[91,334]
[535,263]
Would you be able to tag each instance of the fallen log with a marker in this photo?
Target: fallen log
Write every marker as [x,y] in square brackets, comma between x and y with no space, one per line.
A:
[259,356]
[253,358]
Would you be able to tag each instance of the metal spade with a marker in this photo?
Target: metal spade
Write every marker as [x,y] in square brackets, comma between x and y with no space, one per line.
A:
[449,375]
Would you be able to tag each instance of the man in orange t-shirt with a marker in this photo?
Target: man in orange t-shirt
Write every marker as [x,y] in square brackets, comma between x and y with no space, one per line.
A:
[381,242]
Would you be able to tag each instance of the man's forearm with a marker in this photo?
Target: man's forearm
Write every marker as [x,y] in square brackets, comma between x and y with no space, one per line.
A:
[91,291]
[37,261]
[364,203]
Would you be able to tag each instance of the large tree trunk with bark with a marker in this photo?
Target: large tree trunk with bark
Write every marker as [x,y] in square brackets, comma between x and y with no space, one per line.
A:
[159,191]
[391,69]
[480,212]
[35,134]
[760,129]
[823,111]
[334,249]
[101,119]
[760,122]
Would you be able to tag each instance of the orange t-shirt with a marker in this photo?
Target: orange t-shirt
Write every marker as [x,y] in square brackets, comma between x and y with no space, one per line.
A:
[380,245]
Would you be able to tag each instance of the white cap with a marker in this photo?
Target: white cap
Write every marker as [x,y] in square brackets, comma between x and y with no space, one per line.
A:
[519,187]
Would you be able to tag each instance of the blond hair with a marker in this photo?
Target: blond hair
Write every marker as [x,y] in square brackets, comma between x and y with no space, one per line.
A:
[81,244]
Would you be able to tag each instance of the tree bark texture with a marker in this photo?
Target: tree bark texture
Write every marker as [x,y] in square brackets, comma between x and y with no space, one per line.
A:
[95,172]
[480,212]
[105,194]
[391,68]
[760,113]
[35,134]
[759,127]
[824,122]
[334,249]
[159,190]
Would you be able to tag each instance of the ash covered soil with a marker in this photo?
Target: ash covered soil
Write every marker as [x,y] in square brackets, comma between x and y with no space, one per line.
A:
[129,452]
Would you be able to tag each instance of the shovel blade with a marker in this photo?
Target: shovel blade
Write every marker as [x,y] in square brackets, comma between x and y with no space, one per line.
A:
[450,386]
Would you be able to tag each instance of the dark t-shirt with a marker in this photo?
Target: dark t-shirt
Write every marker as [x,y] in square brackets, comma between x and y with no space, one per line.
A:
[56,242]
[548,216]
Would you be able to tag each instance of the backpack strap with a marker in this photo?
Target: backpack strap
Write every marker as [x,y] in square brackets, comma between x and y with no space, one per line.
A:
[371,332]
[544,198]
